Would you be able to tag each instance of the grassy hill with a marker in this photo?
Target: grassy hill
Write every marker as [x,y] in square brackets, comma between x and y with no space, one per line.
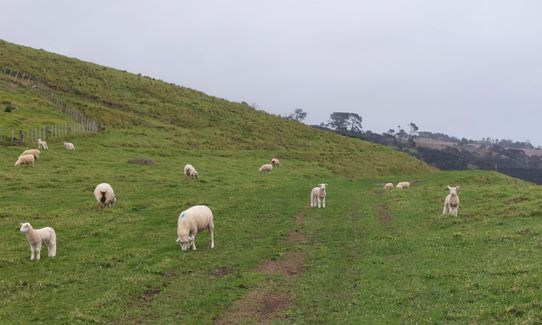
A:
[190,119]
[369,257]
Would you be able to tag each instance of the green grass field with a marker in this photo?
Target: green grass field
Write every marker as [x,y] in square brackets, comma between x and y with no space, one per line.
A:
[370,257]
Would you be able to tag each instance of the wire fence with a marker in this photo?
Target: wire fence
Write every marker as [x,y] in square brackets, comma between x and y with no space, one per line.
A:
[79,125]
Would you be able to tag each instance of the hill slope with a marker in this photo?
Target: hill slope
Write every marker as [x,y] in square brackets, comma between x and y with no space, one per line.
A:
[369,257]
[185,118]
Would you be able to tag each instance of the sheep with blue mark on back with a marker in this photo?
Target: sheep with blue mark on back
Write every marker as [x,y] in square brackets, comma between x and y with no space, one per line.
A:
[190,222]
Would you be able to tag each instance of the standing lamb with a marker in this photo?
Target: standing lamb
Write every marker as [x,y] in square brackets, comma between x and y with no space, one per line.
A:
[275,162]
[26,159]
[451,203]
[37,237]
[318,196]
[190,222]
[104,195]
[404,185]
[388,186]
[190,171]
[267,168]
[42,144]
[69,146]
[34,152]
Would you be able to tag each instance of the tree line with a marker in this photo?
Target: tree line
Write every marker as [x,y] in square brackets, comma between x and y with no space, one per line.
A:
[504,155]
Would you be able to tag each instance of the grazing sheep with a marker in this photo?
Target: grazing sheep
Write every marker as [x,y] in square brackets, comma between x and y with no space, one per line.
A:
[403,185]
[451,203]
[388,186]
[37,237]
[69,146]
[318,196]
[190,171]
[275,162]
[26,159]
[42,144]
[104,195]
[34,152]
[190,222]
[267,168]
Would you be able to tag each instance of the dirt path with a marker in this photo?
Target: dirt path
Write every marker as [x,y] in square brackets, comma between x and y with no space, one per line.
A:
[264,304]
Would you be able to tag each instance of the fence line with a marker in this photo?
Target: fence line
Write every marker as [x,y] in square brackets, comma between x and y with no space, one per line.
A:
[28,136]
[81,123]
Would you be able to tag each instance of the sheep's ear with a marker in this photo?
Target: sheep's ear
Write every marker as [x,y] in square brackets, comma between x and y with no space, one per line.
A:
[178,239]
[191,238]
[449,187]
[457,187]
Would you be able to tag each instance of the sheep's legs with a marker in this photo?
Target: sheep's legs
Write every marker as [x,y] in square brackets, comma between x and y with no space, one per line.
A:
[51,249]
[32,252]
[212,231]
[445,209]
[323,202]
[37,251]
[194,243]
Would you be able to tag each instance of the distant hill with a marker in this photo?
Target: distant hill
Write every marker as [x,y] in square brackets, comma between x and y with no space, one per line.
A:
[517,159]
[190,119]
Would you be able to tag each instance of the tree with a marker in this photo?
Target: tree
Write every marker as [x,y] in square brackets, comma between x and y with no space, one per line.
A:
[345,121]
[298,115]
[413,129]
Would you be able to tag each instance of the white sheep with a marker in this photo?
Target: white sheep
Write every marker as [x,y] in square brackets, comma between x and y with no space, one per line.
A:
[266,168]
[388,186]
[37,237]
[275,162]
[26,159]
[190,222]
[104,195]
[34,152]
[190,171]
[318,196]
[403,185]
[69,146]
[451,203]
[42,144]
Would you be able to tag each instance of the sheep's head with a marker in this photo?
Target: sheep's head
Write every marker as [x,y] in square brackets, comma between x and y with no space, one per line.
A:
[25,227]
[324,186]
[453,190]
[185,241]
[18,162]
[113,201]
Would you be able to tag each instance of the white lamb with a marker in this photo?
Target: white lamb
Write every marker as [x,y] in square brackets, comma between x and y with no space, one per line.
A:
[190,222]
[69,146]
[104,195]
[34,152]
[26,159]
[388,186]
[403,185]
[318,196]
[42,144]
[266,168]
[275,162]
[190,171]
[37,237]
[451,203]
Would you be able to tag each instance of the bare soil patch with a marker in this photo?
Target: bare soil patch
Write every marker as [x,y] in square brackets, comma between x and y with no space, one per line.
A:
[384,215]
[264,304]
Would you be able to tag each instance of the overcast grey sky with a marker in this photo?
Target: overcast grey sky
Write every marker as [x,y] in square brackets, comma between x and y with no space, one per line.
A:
[468,68]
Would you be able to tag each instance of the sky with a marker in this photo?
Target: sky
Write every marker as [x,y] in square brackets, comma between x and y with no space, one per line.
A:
[468,68]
